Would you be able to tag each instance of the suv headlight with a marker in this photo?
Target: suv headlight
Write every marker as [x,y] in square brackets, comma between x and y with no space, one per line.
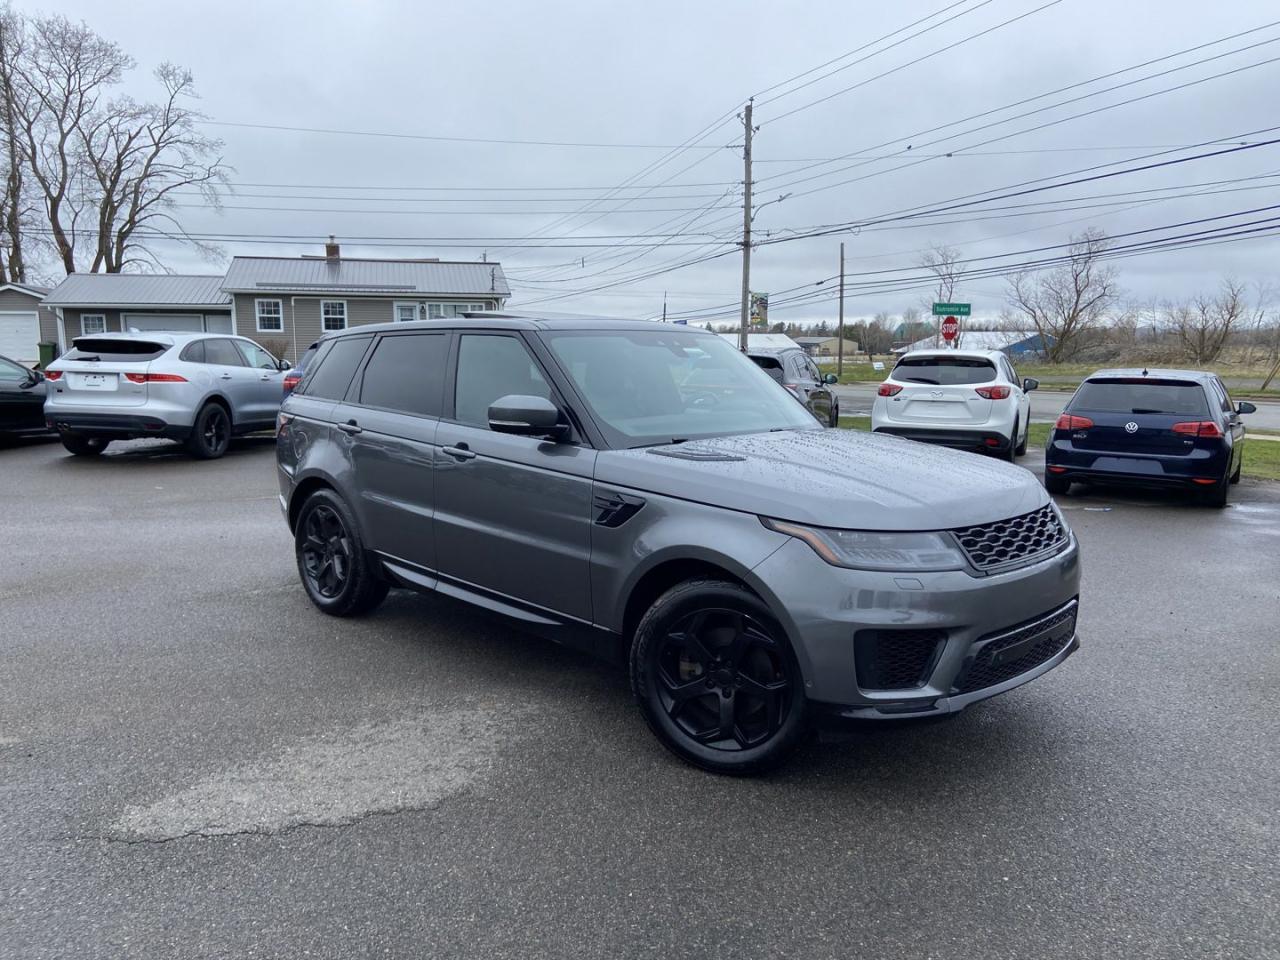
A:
[876,550]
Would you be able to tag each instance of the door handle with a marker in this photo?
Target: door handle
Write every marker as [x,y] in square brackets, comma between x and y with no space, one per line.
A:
[460,452]
[225,376]
[265,377]
[351,427]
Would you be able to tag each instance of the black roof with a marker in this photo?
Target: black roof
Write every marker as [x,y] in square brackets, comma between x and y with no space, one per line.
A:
[498,322]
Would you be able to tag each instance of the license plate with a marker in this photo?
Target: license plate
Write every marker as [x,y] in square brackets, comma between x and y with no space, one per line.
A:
[94,381]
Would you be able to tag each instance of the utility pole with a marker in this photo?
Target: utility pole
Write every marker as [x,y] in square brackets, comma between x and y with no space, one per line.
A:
[664,306]
[745,309]
[840,345]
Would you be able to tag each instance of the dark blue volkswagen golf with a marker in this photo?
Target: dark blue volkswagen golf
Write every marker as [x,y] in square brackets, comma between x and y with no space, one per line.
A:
[1149,427]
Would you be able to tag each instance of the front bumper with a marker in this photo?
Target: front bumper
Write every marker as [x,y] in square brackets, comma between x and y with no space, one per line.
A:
[826,611]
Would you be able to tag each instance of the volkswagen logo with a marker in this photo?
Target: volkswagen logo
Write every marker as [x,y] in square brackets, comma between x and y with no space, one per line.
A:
[1130,427]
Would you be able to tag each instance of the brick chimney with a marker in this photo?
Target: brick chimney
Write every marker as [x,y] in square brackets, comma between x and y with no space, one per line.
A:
[331,250]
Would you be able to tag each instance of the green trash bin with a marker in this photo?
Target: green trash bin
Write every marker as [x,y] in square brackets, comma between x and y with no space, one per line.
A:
[48,353]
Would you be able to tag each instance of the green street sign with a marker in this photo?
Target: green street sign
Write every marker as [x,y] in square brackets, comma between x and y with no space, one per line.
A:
[951,309]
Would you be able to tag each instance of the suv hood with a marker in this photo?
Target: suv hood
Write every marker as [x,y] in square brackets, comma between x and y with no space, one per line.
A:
[831,478]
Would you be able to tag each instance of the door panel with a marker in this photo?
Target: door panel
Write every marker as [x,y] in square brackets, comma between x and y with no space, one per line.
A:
[516,516]
[21,400]
[233,378]
[268,387]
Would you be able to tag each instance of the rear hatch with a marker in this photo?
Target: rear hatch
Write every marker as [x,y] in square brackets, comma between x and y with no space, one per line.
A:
[1137,415]
[940,389]
[97,371]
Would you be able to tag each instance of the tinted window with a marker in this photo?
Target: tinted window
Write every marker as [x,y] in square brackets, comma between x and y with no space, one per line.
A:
[490,368]
[13,372]
[332,375]
[223,353]
[769,365]
[1223,397]
[944,371]
[255,356]
[406,374]
[1180,397]
[193,352]
[106,348]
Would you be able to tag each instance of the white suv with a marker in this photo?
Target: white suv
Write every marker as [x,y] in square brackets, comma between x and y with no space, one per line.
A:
[969,399]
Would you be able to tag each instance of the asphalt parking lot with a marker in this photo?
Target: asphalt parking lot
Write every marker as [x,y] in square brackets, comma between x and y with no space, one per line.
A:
[196,763]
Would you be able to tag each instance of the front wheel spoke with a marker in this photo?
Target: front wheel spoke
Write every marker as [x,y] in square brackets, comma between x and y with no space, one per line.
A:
[726,718]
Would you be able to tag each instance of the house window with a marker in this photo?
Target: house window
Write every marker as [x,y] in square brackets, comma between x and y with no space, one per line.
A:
[333,314]
[404,312]
[270,315]
[440,311]
[93,323]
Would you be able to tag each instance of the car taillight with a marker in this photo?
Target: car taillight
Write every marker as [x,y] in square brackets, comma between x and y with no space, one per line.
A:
[1069,421]
[889,390]
[290,381]
[1198,428]
[154,378]
[1000,392]
[794,389]
[53,374]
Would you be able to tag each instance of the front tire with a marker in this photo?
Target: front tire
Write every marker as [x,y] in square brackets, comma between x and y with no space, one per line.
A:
[211,433]
[716,679]
[82,446]
[1235,476]
[834,419]
[332,562]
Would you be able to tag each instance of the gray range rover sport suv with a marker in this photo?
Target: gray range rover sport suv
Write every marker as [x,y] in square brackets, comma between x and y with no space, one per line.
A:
[756,571]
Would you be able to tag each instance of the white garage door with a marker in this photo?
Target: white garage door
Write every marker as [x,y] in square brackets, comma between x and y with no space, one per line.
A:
[183,322]
[20,337]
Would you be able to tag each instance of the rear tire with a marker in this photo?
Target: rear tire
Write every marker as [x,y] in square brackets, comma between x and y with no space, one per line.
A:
[1022,444]
[1058,486]
[1012,453]
[82,446]
[1216,496]
[716,679]
[335,569]
[211,433]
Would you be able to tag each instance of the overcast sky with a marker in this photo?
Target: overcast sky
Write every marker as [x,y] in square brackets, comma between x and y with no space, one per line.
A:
[656,74]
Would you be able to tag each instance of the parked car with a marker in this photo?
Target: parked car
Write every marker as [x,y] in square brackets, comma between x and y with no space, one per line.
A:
[295,374]
[755,570]
[196,388]
[1151,428]
[967,399]
[800,375]
[21,401]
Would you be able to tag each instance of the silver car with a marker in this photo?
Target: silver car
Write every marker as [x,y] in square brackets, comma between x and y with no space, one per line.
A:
[198,388]
[968,399]
[756,571]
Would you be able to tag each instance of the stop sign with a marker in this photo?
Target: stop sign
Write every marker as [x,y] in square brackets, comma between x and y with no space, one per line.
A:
[950,329]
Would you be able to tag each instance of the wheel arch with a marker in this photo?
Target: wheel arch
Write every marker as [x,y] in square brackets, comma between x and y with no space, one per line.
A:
[302,491]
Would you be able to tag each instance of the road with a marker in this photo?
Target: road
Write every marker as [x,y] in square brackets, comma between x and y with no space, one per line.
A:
[1046,405]
[195,763]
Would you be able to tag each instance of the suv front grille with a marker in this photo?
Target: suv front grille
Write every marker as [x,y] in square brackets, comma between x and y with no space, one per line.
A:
[896,659]
[1014,542]
[993,663]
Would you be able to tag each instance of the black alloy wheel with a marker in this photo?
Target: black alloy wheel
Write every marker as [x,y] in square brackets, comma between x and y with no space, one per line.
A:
[332,562]
[211,433]
[82,446]
[716,679]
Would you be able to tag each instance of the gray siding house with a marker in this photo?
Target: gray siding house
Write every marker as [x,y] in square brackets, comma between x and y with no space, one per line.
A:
[24,323]
[286,303]
[115,302]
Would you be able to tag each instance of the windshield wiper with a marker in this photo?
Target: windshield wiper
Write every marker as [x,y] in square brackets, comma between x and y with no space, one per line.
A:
[1144,410]
[920,380]
[660,443]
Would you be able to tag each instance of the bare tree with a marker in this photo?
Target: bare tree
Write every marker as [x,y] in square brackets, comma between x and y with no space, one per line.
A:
[15,207]
[878,335]
[944,263]
[105,168]
[1066,301]
[1204,324]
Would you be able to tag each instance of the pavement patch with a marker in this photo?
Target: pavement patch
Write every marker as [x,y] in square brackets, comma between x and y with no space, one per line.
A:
[331,780]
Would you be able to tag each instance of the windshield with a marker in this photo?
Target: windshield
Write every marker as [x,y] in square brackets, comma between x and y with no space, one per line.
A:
[1173,397]
[944,371]
[658,386]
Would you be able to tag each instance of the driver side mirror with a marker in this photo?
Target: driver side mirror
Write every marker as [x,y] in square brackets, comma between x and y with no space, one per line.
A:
[285,365]
[528,417]
[830,378]
[1029,384]
[34,377]
[1244,406]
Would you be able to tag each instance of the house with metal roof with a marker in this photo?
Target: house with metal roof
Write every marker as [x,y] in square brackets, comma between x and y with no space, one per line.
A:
[286,303]
[24,323]
[87,303]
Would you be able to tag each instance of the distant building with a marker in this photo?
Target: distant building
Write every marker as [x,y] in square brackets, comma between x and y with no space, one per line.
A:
[826,346]
[1014,343]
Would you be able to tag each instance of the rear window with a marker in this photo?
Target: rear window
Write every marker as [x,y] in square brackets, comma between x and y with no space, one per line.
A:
[770,365]
[1175,397]
[112,349]
[329,378]
[406,374]
[944,371]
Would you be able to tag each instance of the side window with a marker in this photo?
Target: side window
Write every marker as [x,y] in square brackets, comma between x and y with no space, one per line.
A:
[193,352]
[1008,370]
[406,374]
[12,372]
[812,367]
[490,367]
[255,356]
[332,375]
[1224,398]
[222,352]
